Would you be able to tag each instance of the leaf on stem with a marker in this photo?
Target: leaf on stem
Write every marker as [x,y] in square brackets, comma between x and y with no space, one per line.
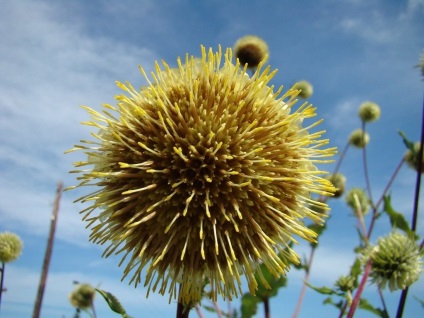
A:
[113,303]
[397,220]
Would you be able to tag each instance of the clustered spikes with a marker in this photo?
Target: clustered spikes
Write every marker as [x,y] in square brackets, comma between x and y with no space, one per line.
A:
[396,261]
[10,247]
[202,175]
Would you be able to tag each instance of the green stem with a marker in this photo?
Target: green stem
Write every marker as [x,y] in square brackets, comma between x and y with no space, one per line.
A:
[404,293]
[364,162]
[342,156]
[361,286]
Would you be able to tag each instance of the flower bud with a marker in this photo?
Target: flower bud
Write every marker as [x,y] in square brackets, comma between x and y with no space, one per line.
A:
[339,182]
[411,158]
[306,89]
[369,111]
[10,247]
[359,138]
[358,200]
[251,50]
[82,296]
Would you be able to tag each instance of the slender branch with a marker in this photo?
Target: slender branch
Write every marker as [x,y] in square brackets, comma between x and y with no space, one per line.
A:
[343,309]
[304,285]
[48,255]
[404,293]
[199,312]
[217,309]
[361,286]
[342,156]
[383,301]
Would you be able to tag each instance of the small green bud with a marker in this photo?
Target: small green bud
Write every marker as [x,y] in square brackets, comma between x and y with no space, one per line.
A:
[346,283]
[369,111]
[358,200]
[251,50]
[411,158]
[396,261]
[339,182]
[10,247]
[306,89]
[82,296]
[359,138]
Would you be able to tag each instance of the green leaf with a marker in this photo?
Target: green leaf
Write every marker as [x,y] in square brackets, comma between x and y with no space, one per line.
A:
[113,303]
[397,220]
[356,268]
[323,290]
[409,144]
[249,305]
[270,288]
[329,301]
[364,304]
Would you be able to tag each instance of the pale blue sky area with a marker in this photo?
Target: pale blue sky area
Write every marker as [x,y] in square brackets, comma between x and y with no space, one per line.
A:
[58,55]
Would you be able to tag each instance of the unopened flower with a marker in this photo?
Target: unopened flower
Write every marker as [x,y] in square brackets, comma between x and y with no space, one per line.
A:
[82,296]
[346,283]
[204,174]
[369,111]
[306,89]
[358,200]
[339,182]
[359,138]
[10,247]
[411,157]
[251,50]
[396,261]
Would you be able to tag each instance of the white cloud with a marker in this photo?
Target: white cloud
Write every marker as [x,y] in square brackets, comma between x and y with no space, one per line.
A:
[51,66]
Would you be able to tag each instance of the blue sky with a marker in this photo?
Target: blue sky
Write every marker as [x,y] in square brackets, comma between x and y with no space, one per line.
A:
[58,55]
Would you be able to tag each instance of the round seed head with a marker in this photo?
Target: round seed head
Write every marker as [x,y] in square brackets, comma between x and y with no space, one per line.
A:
[82,296]
[396,261]
[306,89]
[369,111]
[359,138]
[251,50]
[202,175]
[10,247]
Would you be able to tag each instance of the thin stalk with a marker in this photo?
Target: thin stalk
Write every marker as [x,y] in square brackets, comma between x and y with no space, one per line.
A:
[365,164]
[343,310]
[361,286]
[304,285]
[199,312]
[217,309]
[1,279]
[383,302]
[266,308]
[48,255]
[404,293]
[342,156]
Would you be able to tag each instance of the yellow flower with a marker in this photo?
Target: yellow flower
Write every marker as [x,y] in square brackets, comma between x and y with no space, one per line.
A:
[10,247]
[251,50]
[204,174]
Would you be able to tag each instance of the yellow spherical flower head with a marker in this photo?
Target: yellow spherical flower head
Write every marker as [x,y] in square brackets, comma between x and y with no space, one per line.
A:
[10,247]
[306,89]
[396,261]
[411,158]
[204,174]
[82,296]
[251,50]
[369,111]
[359,138]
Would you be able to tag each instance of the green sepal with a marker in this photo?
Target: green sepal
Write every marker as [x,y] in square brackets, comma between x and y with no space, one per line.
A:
[113,303]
